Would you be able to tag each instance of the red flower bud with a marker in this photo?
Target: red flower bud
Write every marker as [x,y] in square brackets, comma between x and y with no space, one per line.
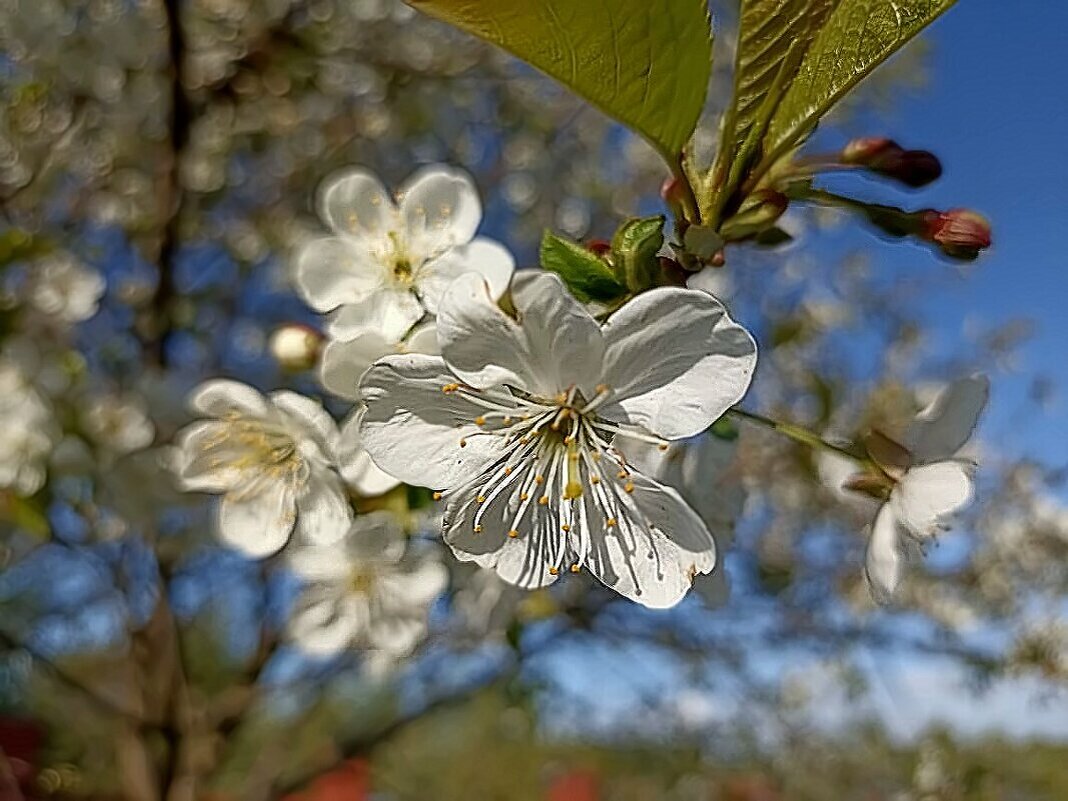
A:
[960,233]
[598,247]
[671,191]
[886,157]
[868,148]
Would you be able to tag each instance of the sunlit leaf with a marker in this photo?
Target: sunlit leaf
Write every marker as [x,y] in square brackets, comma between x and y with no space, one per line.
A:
[587,275]
[772,37]
[645,64]
[857,37]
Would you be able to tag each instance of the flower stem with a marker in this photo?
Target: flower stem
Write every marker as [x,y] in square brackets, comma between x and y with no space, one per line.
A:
[796,433]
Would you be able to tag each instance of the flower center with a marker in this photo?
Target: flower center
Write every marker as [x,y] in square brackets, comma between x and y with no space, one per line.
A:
[557,471]
[361,580]
[261,452]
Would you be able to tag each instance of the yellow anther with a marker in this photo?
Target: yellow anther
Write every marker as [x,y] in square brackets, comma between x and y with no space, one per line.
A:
[508,470]
[601,388]
[622,474]
[663,446]
[480,421]
[611,522]
[481,499]
[565,527]
[437,496]
[450,388]
[478,529]
[595,479]
[523,496]
[544,500]
[553,571]
[513,533]
[463,442]
[575,568]
[507,420]
[539,479]
[628,487]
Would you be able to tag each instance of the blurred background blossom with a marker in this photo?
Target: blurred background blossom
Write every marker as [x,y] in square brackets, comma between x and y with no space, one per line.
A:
[159,161]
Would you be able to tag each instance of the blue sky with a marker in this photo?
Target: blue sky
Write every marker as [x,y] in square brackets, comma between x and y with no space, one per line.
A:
[996,111]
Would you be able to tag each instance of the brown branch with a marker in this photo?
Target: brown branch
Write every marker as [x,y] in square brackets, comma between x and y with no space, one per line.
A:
[71,681]
[173,200]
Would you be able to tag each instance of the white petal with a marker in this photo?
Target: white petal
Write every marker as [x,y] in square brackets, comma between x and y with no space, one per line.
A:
[556,345]
[198,468]
[258,524]
[308,418]
[355,464]
[376,537]
[423,339]
[323,512]
[220,397]
[489,259]
[928,495]
[525,561]
[324,622]
[396,635]
[344,361]
[420,585]
[354,204]
[676,360]
[389,311]
[657,547]
[334,271]
[885,558]
[325,564]
[944,427]
[440,209]
[413,430]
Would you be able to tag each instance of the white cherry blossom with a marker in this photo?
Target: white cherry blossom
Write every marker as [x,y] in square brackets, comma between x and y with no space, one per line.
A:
[366,590]
[119,423]
[389,261]
[518,425]
[64,288]
[925,486]
[28,431]
[271,459]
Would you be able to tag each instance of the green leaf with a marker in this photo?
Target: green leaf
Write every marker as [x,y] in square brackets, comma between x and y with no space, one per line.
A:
[634,249]
[772,35]
[644,64]
[587,275]
[857,37]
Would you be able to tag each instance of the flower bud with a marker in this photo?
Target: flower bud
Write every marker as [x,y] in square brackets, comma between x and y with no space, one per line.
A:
[886,157]
[866,149]
[960,233]
[295,346]
[758,211]
[598,247]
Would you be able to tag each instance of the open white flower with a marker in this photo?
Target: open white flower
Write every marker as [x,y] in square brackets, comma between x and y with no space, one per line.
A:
[119,423]
[271,459]
[924,482]
[66,289]
[518,424]
[388,262]
[366,590]
[28,431]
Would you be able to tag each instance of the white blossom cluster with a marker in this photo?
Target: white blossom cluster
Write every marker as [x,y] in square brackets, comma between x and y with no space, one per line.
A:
[556,441]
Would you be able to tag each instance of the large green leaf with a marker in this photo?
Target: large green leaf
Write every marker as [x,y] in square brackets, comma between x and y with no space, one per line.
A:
[645,64]
[857,37]
[768,32]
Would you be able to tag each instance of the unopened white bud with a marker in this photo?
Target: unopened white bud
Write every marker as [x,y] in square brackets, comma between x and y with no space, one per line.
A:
[295,347]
